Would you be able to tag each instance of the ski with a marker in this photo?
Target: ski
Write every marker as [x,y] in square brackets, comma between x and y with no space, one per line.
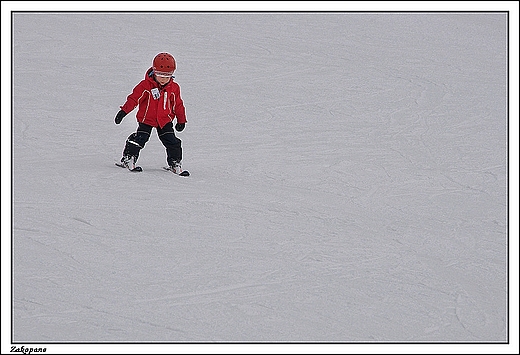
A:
[137,169]
[183,173]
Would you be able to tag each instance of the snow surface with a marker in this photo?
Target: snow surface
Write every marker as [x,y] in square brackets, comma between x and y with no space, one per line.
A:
[349,180]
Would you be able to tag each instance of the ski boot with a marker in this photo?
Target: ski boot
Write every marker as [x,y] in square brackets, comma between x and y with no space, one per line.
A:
[176,168]
[129,163]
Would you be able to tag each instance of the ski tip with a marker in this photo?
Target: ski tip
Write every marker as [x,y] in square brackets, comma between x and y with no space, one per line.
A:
[184,173]
[137,169]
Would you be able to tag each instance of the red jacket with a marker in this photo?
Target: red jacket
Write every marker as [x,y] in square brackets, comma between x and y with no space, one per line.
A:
[156,111]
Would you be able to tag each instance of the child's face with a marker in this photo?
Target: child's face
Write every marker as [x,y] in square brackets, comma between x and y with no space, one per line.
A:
[162,80]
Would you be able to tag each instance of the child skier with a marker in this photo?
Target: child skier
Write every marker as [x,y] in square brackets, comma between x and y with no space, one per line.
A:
[159,100]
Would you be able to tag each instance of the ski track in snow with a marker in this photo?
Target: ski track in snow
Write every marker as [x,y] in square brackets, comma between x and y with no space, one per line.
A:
[348,180]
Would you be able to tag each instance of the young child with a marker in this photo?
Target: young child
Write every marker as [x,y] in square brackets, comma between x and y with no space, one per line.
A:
[160,102]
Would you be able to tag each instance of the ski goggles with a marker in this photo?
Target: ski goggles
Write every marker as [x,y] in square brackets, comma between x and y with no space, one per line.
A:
[163,74]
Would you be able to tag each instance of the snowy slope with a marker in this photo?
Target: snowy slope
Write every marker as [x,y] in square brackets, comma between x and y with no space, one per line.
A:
[349,179]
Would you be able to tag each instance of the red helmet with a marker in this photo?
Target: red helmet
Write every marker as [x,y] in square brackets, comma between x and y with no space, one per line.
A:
[164,64]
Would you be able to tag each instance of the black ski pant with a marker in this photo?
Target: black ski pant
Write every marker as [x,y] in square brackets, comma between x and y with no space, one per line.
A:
[137,140]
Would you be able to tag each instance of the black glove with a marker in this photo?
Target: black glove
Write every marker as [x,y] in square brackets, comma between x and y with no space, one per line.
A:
[180,126]
[119,116]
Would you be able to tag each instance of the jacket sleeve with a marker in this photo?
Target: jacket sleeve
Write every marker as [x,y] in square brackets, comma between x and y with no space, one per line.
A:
[178,109]
[133,99]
